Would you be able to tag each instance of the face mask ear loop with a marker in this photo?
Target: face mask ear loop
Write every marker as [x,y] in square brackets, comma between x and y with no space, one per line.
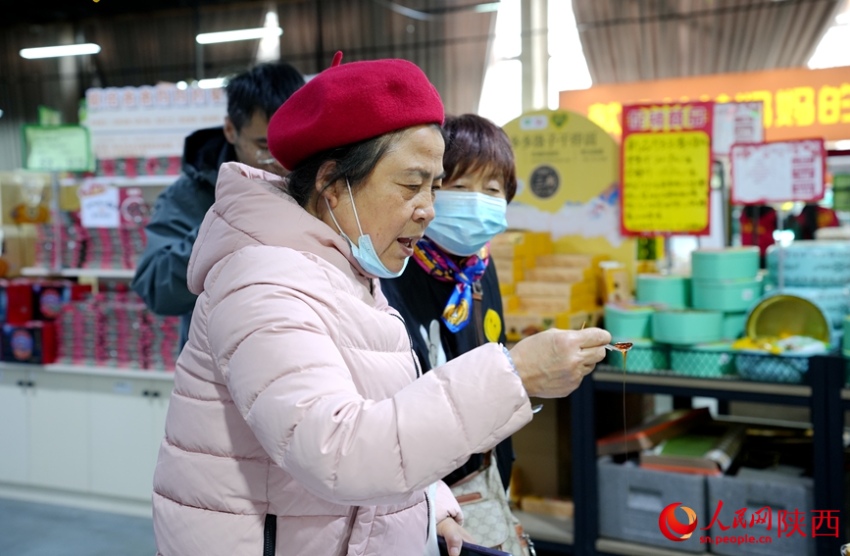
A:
[330,210]
[353,207]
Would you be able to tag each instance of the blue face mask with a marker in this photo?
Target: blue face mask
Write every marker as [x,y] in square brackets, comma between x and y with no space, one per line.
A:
[363,250]
[466,221]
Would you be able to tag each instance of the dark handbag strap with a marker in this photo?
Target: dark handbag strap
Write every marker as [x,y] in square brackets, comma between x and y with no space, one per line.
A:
[477,315]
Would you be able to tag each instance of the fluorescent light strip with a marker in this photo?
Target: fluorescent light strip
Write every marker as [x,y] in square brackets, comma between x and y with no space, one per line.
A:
[57,51]
[211,83]
[240,35]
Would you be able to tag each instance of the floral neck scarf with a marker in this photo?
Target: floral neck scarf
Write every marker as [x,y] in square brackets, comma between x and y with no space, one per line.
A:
[441,266]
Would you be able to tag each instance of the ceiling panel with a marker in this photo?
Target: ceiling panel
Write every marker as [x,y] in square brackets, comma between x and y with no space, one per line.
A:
[635,40]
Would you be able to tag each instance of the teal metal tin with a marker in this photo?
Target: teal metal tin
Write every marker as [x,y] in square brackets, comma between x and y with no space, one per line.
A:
[726,295]
[731,263]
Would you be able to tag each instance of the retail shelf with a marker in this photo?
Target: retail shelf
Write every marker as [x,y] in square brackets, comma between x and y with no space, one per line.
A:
[104,273]
[91,370]
[824,393]
[546,528]
[610,546]
[123,181]
[668,382]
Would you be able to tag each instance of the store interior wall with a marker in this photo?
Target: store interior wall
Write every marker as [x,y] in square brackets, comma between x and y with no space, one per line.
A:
[145,42]
[451,48]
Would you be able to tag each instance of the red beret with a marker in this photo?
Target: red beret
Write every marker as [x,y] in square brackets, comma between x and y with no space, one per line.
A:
[350,103]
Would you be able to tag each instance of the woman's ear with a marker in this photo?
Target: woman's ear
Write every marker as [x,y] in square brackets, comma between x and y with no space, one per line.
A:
[325,188]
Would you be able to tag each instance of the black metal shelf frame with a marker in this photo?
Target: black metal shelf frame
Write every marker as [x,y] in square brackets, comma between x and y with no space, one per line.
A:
[823,393]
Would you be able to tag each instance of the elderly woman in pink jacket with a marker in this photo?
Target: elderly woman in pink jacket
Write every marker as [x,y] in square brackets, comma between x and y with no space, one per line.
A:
[300,422]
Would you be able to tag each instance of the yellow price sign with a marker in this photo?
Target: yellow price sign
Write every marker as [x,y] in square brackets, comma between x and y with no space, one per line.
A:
[666,169]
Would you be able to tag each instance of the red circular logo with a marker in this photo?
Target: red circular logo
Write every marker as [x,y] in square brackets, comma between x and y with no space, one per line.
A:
[674,529]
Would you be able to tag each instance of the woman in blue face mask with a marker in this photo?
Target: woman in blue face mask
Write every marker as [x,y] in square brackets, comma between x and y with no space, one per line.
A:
[449,294]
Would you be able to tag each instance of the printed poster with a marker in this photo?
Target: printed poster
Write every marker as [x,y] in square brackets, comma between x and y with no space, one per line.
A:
[57,148]
[567,183]
[666,169]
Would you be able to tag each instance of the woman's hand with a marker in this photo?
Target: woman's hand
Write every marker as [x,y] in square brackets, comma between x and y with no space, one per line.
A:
[553,362]
[454,534]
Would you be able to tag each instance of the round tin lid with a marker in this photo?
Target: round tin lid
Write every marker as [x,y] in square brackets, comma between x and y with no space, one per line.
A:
[781,315]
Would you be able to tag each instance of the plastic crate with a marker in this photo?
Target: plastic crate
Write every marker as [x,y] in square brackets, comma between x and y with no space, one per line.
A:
[631,500]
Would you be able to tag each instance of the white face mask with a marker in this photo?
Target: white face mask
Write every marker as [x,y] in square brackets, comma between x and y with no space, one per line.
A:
[363,250]
[466,220]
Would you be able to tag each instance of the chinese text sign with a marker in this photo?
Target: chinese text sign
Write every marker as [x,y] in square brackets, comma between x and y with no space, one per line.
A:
[57,148]
[666,169]
[778,172]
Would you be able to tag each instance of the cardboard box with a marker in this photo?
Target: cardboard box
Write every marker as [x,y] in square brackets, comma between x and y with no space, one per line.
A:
[553,289]
[512,270]
[568,260]
[536,304]
[558,274]
[33,342]
[522,325]
[512,243]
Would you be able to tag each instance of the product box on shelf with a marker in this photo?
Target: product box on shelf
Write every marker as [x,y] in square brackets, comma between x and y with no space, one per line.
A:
[631,501]
[777,515]
[16,301]
[31,342]
[49,296]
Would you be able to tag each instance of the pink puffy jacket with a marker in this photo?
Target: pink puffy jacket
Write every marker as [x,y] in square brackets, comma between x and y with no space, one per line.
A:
[296,401]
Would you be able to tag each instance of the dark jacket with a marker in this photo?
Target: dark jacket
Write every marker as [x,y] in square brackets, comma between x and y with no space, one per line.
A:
[179,210]
[421,299]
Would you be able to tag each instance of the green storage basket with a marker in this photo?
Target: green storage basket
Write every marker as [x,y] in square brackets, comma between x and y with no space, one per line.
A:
[769,367]
[644,357]
[714,360]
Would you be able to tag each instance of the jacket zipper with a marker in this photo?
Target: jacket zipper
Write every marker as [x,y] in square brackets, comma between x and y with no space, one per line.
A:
[270,535]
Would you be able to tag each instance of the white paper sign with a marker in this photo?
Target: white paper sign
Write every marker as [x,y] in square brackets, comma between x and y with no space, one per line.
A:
[149,121]
[99,205]
[777,172]
[736,122]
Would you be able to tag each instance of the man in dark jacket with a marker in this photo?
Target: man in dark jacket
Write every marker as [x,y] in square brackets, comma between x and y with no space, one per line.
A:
[252,98]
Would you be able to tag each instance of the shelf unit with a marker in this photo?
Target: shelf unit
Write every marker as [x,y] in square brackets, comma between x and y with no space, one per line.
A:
[92,273]
[824,393]
[106,424]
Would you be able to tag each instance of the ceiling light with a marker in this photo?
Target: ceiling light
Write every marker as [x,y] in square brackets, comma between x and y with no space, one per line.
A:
[57,51]
[239,35]
[213,83]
